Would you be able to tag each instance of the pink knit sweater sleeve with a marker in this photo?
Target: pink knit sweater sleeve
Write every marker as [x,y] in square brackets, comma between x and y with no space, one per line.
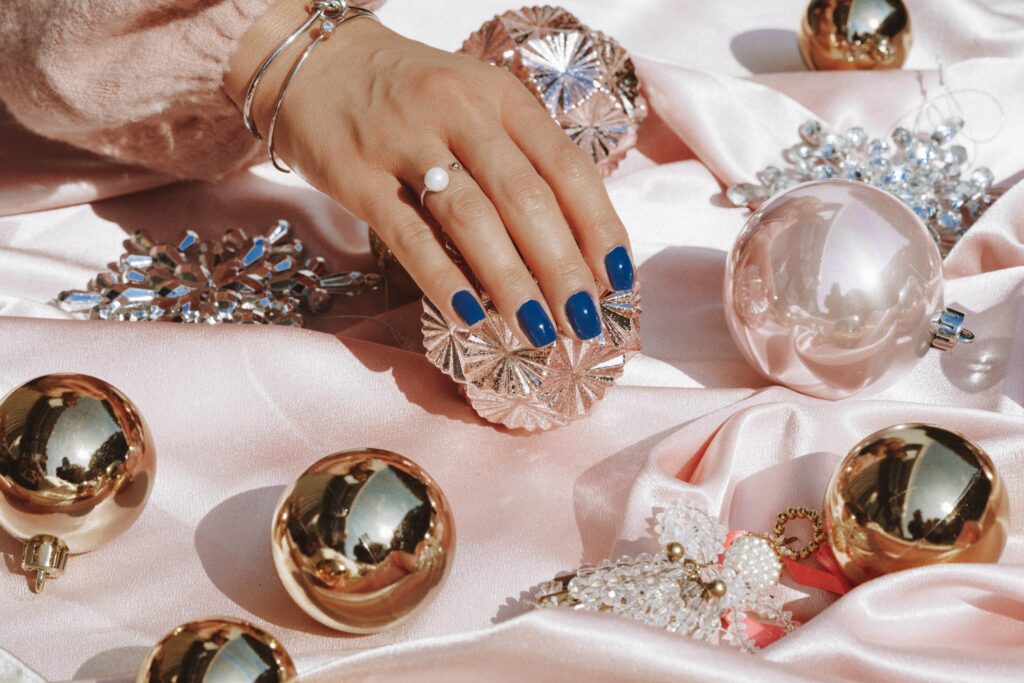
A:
[135,80]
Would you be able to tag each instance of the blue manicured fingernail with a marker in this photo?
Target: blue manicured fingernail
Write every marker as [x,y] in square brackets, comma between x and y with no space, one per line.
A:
[536,324]
[468,308]
[582,314]
[620,269]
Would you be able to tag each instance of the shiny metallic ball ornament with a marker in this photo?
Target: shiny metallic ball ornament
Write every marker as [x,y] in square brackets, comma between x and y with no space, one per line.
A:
[834,288]
[914,495]
[76,468]
[854,34]
[363,539]
[217,651]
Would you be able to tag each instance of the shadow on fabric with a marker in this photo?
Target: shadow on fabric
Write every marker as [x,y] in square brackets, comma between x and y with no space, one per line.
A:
[683,324]
[419,381]
[235,554]
[767,50]
[120,665]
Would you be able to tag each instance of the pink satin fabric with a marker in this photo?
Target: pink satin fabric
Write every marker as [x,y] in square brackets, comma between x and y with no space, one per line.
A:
[236,413]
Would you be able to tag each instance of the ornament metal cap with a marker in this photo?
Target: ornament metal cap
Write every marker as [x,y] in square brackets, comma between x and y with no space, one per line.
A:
[948,330]
[46,556]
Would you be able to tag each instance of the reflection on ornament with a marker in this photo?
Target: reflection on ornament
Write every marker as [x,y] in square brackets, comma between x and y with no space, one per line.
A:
[914,495]
[76,467]
[217,651]
[700,585]
[855,34]
[511,383]
[267,279]
[362,540]
[834,288]
[929,172]
[584,78]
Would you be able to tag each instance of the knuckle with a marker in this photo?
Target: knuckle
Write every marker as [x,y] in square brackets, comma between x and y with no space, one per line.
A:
[607,225]
[508,277]
[467,204]
[442,81]
[439,279]
[573,165]
[410,239]
[530,194]
[571,270]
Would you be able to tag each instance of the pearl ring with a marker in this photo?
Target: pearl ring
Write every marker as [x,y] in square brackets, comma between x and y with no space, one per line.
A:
[436,179]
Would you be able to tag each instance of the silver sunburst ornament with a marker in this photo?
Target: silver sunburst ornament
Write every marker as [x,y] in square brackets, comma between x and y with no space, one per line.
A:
[269,278]
[929,171]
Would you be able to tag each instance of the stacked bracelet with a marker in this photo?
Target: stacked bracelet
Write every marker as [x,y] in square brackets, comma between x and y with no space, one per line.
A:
[325,16]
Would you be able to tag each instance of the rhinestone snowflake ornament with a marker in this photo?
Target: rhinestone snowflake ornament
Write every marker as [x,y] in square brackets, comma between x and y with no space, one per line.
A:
[697,586]
[927,171]
[584,79]
[268,278]
[510,383]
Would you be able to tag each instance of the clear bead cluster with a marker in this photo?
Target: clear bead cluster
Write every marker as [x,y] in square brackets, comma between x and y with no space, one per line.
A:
[702,536]
[752,564]
[705,590]
[267,278]
[929,172]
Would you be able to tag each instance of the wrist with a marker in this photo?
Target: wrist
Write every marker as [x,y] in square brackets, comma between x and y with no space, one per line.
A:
[262,38]
[259,41]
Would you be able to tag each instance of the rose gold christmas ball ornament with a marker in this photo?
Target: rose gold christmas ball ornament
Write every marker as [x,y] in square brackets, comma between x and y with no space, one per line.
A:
[855,34]
[362,540]
[915,495]
[834,288]
[584,79]
[76,467]
[217,651]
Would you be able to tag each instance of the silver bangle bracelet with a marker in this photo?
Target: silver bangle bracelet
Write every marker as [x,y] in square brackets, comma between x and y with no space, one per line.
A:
[327,27]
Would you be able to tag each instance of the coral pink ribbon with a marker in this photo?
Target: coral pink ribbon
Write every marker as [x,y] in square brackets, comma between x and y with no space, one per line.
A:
[828,578]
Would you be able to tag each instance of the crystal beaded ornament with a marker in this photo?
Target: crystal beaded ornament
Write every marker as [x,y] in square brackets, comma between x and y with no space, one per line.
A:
[700,585]
[510,383]
[929,172]
[584,79]
[267,278]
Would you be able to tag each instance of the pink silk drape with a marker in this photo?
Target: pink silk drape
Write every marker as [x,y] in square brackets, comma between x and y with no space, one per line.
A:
[237,412]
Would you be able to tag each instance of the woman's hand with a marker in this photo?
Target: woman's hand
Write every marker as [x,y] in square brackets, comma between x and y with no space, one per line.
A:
[371,112]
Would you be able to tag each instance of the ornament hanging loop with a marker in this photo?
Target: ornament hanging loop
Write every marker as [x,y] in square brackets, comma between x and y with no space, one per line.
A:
[948,330]
[46,556]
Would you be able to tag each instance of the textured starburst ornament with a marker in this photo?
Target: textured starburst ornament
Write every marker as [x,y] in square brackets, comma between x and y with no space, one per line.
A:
[584,78]
[928,171]
[267,278]
[516,411]
[510,383]
[578,374]
[697,586]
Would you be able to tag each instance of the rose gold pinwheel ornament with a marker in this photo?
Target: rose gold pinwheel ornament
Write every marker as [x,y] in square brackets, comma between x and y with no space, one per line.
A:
[513,384]
[584,78]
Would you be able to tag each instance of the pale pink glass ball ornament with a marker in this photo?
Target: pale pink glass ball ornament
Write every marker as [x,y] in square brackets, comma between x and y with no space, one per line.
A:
[835,288]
